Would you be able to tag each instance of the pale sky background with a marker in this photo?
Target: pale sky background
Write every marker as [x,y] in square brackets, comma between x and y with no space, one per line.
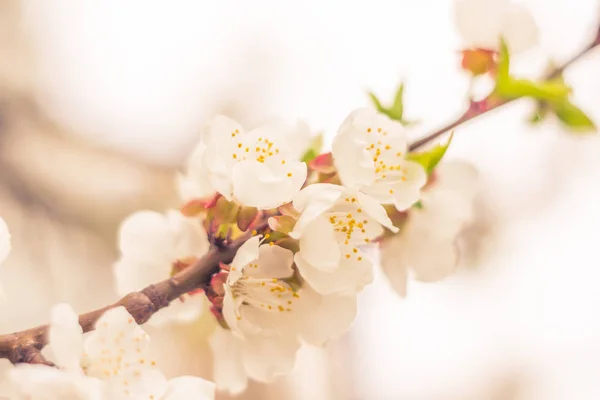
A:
[142,76]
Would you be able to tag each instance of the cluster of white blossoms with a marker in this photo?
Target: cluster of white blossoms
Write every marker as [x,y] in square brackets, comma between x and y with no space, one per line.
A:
[295,280]
[111,363]
[482,23]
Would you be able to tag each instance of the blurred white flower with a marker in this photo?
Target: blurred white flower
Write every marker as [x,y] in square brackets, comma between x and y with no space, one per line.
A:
[334,222]
[259,168]
[4,241]
[111,362]
[426,243]
[481,23]
[194,184]
[258,300]
[369,153]
[150,243]
[263,358]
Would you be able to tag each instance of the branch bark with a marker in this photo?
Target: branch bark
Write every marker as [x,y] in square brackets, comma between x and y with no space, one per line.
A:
[26,346]
[479,108]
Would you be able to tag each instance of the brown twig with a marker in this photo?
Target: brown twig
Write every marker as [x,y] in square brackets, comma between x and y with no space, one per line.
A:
[479,108]
[26,346]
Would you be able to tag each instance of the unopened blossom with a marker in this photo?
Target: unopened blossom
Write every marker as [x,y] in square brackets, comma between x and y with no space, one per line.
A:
[482,23]
[334,223]
[150,244]
[426,244]
[112,362]
[369,153]
[258,168]
[259,300]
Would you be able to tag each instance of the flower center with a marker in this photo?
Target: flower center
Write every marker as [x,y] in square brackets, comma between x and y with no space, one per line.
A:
[348,221]
[387,159]
[262,150]
[266,294]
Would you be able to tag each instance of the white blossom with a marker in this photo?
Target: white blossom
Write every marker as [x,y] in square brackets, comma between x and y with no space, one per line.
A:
[259,300]
[269,319]
[426,243]
[334,223]
[259,168]
[481,23]
[112,362]
[369,153]
[150,243]
[194,184]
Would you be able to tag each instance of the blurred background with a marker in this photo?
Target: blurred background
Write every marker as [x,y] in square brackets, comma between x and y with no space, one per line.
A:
[101,100]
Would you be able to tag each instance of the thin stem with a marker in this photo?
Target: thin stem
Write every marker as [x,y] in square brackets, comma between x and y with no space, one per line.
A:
[479,108]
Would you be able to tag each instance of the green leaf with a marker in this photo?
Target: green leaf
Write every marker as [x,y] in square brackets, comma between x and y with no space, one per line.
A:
[429,159]
[573,117]
[396,111]
[376,102]
[509,87]
[503,68]
[544,91]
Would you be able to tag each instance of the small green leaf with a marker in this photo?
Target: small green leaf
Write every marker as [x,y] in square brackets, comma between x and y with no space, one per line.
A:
[396,111]
[429,159]
[509,87]
[503,69]
[545,91]
[573,117]
[376,102]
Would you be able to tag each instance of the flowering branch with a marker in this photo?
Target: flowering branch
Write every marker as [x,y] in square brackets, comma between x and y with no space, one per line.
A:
[26,346]
[477,108]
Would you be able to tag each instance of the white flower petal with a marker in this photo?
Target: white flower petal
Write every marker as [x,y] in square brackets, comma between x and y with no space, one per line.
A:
[520,29]
[480,22]
[325,317]
[65,338]
[118,343]
[146,235]
[4,241]
[268,357]
[229,373]
[319,246]
[273,262]
[349,278]
[230,309]
[184,310]
[433,261]
[147,384]
[376,211]
[353,163]
[41,382]
[132,275]
[190,387]
[394,264]
[459,176]
[195,184]
[257,185]
[313,201]
[247,253]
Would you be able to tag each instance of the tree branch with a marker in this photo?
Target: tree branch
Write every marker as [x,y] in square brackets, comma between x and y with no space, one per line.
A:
[26,346]
[479,108]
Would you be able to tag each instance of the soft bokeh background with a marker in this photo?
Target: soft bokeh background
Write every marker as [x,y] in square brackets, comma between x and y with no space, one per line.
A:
[101,100]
